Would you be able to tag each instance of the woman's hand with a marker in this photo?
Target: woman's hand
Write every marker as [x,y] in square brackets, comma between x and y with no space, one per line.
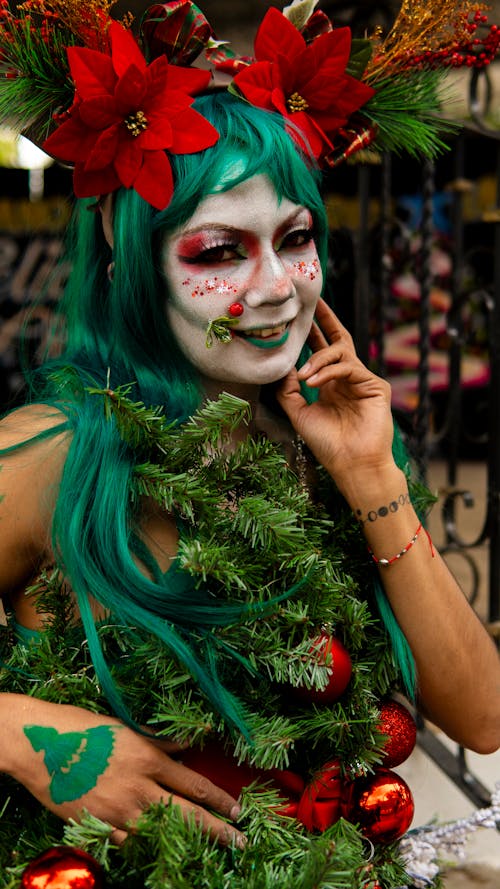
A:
[349,429]
[71,760]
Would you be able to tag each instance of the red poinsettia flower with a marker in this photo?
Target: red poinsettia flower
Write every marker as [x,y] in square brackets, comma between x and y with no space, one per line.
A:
[126,114]
[306,83]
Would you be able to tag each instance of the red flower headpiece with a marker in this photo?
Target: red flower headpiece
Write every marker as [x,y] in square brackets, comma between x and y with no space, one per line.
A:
[129,100]
[307,83]
[126,115]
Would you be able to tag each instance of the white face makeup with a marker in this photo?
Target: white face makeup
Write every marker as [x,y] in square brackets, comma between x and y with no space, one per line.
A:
[243,246]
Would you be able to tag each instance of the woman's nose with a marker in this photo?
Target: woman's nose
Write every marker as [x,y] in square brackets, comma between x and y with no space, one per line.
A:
[270,283]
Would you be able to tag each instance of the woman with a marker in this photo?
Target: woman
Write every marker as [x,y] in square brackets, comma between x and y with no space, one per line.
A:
[241,242]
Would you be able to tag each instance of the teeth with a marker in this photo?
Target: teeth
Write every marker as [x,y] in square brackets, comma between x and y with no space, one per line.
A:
[265,332]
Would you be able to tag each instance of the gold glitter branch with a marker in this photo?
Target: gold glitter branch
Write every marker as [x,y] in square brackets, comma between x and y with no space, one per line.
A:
[421,27]
[91,16]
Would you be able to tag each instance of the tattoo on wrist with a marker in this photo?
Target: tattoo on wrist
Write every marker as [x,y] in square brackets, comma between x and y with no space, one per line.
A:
[74,760]
[382,511]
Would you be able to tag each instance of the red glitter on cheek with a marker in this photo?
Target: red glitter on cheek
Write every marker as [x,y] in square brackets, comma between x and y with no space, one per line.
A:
[309,269]
[210,285]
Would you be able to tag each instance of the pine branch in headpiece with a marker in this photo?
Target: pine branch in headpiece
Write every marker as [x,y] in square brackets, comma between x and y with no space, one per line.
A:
[34,73]
[35,82]
[406,110]
[407,70]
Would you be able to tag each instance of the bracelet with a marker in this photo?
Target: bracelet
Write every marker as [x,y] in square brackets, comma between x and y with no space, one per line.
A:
[386,562]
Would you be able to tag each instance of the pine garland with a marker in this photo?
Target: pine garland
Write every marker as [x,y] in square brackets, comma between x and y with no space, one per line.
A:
[251,534]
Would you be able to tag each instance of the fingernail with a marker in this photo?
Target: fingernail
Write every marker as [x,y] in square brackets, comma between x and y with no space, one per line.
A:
[305,368]
[241,841]
[235,812]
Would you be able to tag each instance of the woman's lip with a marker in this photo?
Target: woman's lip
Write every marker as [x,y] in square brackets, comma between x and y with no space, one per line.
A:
[265,337]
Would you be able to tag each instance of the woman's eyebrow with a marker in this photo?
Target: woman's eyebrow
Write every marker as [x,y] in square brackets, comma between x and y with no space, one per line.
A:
[239,230]
[210,226]
[294,215]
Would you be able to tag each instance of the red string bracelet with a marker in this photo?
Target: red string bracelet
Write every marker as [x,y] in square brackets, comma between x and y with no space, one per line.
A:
[386,562]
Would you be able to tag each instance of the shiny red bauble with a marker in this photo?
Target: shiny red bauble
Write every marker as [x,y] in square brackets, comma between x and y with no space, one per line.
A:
[399,725]
[63,867]
[330,651]
[381,804]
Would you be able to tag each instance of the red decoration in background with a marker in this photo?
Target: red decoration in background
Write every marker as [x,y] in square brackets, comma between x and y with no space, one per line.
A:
[398,723]
[330,651]
[63,867]
[381,804]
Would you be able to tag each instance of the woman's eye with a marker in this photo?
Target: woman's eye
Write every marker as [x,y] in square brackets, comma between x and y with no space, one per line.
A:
[297,238]
[214,255]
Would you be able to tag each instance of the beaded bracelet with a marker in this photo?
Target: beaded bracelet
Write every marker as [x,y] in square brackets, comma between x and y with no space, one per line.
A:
[386,562]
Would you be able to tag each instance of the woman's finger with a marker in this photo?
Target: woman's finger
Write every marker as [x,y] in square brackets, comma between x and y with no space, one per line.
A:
[117,836]
[193,786]
[218,830]
[169,747]
[329,357]
[330,325]
[316,339]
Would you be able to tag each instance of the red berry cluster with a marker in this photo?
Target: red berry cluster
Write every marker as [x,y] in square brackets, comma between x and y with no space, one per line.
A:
[12,28]
[474,52]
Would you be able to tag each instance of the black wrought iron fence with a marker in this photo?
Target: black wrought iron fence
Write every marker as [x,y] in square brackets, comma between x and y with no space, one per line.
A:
[454,410]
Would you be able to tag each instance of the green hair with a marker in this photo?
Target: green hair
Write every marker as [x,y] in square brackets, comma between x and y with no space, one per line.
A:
[116,332]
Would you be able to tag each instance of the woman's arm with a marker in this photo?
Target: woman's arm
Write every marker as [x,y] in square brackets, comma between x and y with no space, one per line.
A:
[72,760]
[350,431]
[68,758]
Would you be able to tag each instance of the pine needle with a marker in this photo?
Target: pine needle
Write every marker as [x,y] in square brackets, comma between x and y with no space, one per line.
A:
[34,75]
[406,112]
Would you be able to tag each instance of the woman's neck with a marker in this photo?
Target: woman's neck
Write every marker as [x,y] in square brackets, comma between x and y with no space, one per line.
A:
[263,421]
[214,388]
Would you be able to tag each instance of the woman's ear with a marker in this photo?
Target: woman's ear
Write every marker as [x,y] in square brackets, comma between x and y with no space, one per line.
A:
[106,206]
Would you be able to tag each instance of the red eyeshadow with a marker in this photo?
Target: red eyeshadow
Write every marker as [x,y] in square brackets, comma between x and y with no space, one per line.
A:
[190,246]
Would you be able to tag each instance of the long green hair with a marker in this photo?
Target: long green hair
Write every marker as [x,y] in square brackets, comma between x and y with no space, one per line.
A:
[116,332]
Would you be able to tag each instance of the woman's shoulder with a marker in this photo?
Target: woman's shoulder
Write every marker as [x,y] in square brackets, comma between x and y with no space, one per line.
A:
[31,465]
[28,423]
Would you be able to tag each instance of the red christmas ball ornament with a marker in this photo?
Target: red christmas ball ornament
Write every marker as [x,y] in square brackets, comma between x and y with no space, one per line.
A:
[330,651]
[399,725]
[63,867]
[381,804]
[235,310]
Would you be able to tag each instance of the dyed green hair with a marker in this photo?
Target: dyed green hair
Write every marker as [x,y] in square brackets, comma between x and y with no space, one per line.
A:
[116,333]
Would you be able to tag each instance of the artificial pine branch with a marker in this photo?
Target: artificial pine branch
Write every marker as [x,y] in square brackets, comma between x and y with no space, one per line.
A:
[141,427]
[414,101]
[233,504]
[34,72]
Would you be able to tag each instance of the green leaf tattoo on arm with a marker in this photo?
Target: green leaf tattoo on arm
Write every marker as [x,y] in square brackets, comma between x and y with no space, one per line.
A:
[74,760]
